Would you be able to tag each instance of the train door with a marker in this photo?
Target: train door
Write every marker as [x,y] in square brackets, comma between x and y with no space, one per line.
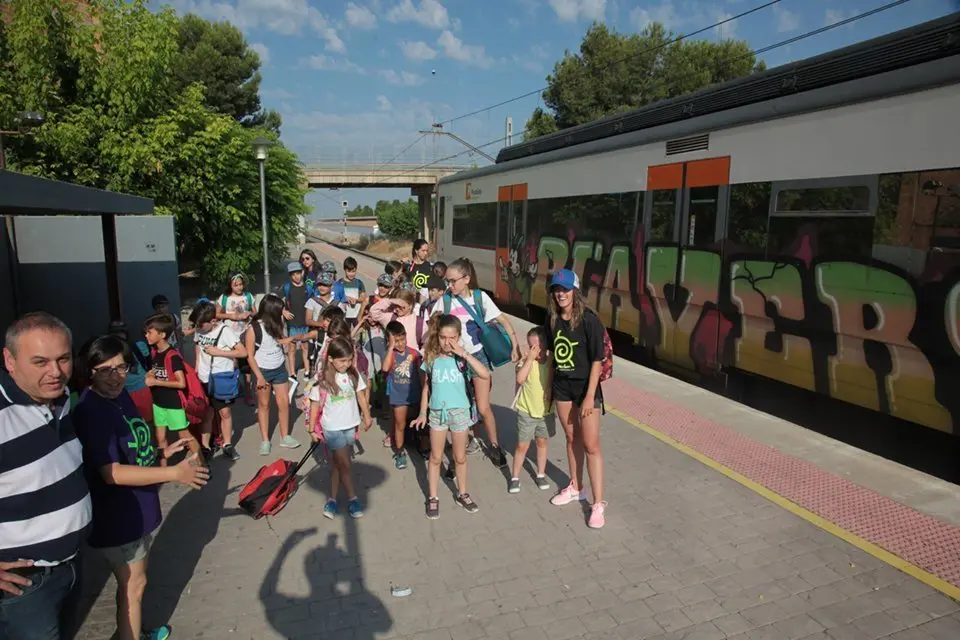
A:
[511,223]
[685,214]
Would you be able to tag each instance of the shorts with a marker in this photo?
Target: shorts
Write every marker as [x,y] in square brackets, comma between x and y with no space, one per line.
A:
[296,331]
[529,427]
[565,390]
[481,355]
[170,419]
[129,553]
[276,376]
[143,401]
[215,402]
[454,420]
[340,439]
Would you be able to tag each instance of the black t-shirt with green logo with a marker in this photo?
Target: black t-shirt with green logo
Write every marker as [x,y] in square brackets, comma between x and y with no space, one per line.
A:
[419,275]
[575,350]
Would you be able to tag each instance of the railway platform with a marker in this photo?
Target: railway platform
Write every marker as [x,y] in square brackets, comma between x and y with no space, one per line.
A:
[724,522]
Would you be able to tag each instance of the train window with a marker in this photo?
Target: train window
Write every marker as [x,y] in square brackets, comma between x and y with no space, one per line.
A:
[748,213]
[663,215]
[702,219]
[608,216]
[826,197]
[475,225]
[846,237]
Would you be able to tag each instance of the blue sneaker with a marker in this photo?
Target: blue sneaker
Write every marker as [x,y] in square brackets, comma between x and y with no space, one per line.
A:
[400,460]
[330,509]
[355,508]
[160,633]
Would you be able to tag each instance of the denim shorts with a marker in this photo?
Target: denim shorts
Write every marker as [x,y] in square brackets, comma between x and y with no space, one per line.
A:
[129,553]
[340,439]
[276,376]
[296,331]
[484,360]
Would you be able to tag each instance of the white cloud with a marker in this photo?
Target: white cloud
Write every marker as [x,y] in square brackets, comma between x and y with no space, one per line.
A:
[470,54]
[664,13]
[328,63]
[418,51]
[834,16]
[513,23]
[286,17]
[430,13]
[276,94]
[383,104]
[404,78]
[533,59]
[360,17]
[786,20]
[263,51]
[573,10]
[691,16]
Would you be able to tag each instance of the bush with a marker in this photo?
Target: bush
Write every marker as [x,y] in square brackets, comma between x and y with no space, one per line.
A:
[399,220]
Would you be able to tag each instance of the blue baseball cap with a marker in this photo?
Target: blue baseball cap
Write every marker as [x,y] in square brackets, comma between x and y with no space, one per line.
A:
[293,267]
[565,279]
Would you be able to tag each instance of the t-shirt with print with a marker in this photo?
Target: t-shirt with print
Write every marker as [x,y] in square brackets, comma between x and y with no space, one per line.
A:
[222,338]
[310,277]
[166,397]
[111,431]
[448,386]
[237,304]
[340,410]
[419,276]
[575,350]
[315,306]
[296,304]
[403,381]
[352,289]
[470,335]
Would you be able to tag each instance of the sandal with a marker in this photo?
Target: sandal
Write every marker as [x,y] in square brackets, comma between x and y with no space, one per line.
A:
[467,503]
[433,508]
[388,442]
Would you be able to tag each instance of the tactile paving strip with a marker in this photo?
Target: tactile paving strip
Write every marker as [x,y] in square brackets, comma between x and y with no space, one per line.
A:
[921,540]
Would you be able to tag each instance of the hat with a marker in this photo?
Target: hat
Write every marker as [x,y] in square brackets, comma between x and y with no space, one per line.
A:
[159,299]
[325,278]
[293,267]
[385,280]
[565,279]
[328,267]
[435,282]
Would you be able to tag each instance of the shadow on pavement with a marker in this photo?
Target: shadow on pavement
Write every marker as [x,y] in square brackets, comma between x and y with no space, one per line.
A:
[557,446]
[338,598]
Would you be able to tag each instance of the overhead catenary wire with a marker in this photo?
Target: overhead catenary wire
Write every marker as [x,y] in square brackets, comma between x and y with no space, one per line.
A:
[776,45]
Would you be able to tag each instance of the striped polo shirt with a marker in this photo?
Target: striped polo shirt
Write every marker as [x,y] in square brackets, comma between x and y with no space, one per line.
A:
[45,509]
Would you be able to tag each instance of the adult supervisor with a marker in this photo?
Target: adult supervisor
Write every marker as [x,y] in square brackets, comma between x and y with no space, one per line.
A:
[45,509]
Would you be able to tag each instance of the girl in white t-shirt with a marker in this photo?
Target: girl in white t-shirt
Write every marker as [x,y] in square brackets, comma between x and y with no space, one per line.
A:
[217,350]
[235,307]
[338,407]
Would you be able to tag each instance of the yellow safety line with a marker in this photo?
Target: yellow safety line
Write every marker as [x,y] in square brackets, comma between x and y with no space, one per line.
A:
[864,545]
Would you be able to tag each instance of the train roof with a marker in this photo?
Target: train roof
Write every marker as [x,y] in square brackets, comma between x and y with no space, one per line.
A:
[912,59]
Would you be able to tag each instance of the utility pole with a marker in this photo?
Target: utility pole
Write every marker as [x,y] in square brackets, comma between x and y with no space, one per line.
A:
[508,132]
[437,130]
[344,204]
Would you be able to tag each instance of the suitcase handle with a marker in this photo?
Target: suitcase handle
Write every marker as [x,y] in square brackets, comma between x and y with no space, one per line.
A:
[306,456]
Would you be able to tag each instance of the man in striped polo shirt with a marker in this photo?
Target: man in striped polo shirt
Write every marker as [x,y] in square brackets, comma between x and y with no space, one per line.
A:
[45,507]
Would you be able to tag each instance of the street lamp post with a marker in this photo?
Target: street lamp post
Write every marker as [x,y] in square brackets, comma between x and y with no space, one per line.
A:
[261,146]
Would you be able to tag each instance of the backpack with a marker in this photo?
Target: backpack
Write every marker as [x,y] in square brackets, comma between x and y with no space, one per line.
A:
[496,344]
[272,486]
[606,363]
[193,398]
[246,294]
[140,356]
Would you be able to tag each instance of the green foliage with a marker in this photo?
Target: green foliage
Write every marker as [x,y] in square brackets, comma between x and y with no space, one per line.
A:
[361,212]
[116,118]
[614,72]
[398,220]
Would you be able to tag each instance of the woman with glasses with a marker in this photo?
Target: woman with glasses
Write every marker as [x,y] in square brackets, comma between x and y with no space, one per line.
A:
[120,461]
[311,267]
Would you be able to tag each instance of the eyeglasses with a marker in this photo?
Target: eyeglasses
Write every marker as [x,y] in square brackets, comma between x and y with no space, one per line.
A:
[454,280]
[103,372]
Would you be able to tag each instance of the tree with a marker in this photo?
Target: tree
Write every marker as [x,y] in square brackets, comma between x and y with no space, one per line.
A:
[614,72]
[398,220]
[217,55]
[114,121]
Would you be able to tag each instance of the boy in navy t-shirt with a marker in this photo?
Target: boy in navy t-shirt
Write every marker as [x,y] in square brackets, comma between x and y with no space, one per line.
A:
[404,386]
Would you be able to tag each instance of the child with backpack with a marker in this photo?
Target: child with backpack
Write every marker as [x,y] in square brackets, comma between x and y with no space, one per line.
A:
[235,307]
[167,380]
[351,292]
[535,420]
[404,384]
[402,308]
[295,297]
[338,408]
[447,404]
[580,354]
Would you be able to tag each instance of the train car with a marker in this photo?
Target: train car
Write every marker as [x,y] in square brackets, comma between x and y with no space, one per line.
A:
[801,224]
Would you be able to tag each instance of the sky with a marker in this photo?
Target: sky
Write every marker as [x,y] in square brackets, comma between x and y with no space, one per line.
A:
[355,81]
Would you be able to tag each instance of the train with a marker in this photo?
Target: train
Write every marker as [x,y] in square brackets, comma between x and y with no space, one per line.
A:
[801,224]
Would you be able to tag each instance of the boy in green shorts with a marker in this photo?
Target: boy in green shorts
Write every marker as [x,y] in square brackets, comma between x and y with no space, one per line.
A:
[166,379]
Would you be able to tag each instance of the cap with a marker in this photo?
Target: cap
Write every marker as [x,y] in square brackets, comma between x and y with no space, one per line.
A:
[325,278]
[385,280]
[328,267]
[435,282]
[159,299]
[565,279]
[293,267]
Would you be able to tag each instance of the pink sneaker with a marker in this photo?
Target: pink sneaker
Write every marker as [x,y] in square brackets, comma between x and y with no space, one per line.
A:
[567,495]
[596,515]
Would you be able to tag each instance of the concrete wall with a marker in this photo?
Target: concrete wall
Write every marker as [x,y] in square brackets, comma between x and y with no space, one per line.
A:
[147,265]
[7,312]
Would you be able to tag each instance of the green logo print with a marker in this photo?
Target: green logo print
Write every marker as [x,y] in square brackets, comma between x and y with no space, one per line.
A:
[563,350]
[420,280]
[142,441]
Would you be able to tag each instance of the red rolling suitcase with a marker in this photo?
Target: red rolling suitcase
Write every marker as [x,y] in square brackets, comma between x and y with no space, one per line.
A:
[272,487]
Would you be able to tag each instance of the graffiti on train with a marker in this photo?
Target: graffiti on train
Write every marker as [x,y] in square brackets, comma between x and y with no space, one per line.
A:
[870,334]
